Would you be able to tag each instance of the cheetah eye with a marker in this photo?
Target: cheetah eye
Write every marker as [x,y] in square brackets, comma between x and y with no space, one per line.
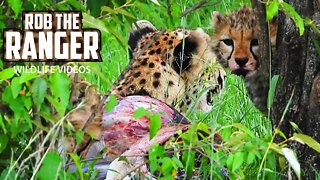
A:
[254,42]
[228,42]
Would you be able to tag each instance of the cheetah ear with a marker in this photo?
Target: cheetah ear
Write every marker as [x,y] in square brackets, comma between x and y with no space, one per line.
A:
[138,30]
[183,54]
[217,19]
[142,24]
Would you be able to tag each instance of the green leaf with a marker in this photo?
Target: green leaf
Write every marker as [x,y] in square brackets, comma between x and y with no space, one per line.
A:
[177,162]
[251,158]
[278,131]
[77,5]
[226,134]
[114,31]
[79,136]
[15,5]
[155,124]
[238,160]
[300,24]
[117,20]
[140,112]
[282,162]
[166,166]
[107,9]
[203,127]
[76,160]
[89,21]
[145,9]
[2,125]
[26,102]
[8,174]
[112,102]
[7,73]
[272,9]
[60,88]
[15,104]
[27,76]
[50,166]
[53,101]
[126,13]
[258,155]
[295,127]
[271,160]
[39,90]
[47,115]
[243,128]
[188,161]
[295,16]
[155,153]
[230,161]
[15,87]
[3,142]
[309,141]
[287,106]
[272,89]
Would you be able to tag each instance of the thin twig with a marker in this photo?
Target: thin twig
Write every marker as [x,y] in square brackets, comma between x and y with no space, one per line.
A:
[20,156]
[127,4]
[53,131]
[20,169]
[132,170]
[197,6]
[88,160]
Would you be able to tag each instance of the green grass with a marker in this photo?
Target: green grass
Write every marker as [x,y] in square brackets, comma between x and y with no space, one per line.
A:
[234,106]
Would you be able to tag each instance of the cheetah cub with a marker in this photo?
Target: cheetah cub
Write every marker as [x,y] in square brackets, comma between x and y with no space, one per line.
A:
[235,43]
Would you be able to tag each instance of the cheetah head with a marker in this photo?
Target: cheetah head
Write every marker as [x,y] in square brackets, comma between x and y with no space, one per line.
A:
[235,40]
